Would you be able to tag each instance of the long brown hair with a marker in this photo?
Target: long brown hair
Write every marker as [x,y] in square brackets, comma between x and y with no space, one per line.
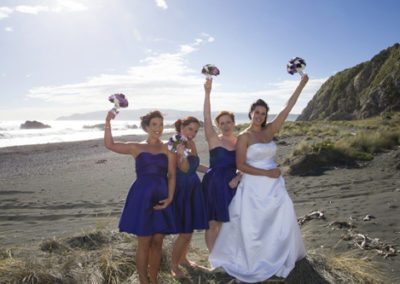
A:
[257,103]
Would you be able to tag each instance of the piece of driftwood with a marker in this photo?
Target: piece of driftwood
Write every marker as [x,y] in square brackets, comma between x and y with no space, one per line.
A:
[313,215]
[364,242]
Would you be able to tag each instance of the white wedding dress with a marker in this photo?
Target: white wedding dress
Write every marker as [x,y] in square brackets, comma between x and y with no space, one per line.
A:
[262,238]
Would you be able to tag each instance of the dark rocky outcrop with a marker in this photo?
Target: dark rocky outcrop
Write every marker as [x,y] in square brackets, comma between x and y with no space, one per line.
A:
[34,125]
[100,126]
[368,89]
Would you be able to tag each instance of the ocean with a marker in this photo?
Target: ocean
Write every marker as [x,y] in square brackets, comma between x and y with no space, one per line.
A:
[74,130]
[65,131]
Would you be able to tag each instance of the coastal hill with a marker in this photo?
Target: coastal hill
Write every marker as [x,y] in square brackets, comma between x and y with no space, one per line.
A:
[365,90]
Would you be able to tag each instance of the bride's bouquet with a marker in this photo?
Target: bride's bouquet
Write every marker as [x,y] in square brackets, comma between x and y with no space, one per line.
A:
[119,100]
[175,140]
[210,70]
[296,65]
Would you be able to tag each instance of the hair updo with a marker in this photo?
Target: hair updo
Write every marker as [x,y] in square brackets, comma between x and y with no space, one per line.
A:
[145,119]
[182,122]
[222,113]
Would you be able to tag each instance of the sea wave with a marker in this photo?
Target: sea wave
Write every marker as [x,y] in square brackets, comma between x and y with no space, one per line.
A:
[65,131]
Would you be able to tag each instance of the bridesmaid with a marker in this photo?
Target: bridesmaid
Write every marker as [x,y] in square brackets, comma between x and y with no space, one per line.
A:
[188,203]
[147,213]
[220,182]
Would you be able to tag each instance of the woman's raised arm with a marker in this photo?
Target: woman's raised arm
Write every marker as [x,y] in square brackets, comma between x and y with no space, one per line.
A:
[211,135]
[118,147]
[276,124]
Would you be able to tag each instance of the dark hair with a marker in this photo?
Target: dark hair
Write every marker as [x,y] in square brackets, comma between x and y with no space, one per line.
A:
[184,122]
[257,103]
[222,113]
[145,119]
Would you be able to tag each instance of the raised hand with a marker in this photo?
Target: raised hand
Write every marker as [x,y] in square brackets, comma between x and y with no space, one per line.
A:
[110,115]
[208,86]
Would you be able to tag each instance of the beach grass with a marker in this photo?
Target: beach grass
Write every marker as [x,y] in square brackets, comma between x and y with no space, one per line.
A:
[113,262]
[358,140]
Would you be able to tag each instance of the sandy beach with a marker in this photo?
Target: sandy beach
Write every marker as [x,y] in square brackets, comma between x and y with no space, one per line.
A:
[58,190]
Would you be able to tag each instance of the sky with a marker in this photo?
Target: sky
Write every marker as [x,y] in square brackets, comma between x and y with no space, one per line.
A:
[60,57]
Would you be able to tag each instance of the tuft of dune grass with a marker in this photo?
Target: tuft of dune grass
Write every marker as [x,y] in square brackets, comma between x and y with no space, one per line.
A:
[347,268]
[89,241]
[27,271]
[115,266]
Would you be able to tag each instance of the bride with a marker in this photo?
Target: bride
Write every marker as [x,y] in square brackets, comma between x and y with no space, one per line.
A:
[262,238]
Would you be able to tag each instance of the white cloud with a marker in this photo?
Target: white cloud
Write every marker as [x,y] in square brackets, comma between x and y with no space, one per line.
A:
[5,12]
[208,37]
[34,10]
[159,76]
[8,29]
[58,7]
[166,81]
[186,49]
[162,4]
[70,6]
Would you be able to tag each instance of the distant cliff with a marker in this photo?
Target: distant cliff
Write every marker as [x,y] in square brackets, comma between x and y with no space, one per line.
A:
[366,90]
[135,114]
[169,114]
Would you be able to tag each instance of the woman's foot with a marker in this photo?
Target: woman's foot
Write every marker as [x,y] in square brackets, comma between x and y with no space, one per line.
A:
[193,265]
[177,273]
[188,263]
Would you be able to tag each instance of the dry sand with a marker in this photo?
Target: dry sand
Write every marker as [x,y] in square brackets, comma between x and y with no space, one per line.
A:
[66,188]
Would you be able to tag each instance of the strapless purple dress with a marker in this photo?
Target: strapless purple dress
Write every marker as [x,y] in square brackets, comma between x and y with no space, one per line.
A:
[138,216]
[189,205]
[216,188]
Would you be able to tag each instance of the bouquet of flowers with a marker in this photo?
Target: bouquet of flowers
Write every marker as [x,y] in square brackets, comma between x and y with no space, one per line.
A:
[119,101]
[175,140]
[210,70]
[296,65]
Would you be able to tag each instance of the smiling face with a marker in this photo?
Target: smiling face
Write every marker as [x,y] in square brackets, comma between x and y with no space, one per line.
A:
[190,130]
[155,127]
[259,115]
[226,124]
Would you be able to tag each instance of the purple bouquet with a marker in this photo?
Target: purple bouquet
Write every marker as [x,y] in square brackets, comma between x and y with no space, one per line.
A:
[119,101]
[175,141]
[296,65]
[210,70]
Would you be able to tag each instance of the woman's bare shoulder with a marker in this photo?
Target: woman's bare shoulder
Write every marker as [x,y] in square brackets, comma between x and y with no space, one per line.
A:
[244,135]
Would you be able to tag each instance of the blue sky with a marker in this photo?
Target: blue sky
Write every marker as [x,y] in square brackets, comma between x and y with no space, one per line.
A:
[59,57]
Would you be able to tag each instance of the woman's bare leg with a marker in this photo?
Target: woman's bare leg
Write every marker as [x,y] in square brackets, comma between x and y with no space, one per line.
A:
[142,258]
[155,257]
[212,233]
[179,251]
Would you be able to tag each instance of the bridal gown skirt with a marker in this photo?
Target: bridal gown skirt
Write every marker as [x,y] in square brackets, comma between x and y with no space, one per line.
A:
[262,238]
